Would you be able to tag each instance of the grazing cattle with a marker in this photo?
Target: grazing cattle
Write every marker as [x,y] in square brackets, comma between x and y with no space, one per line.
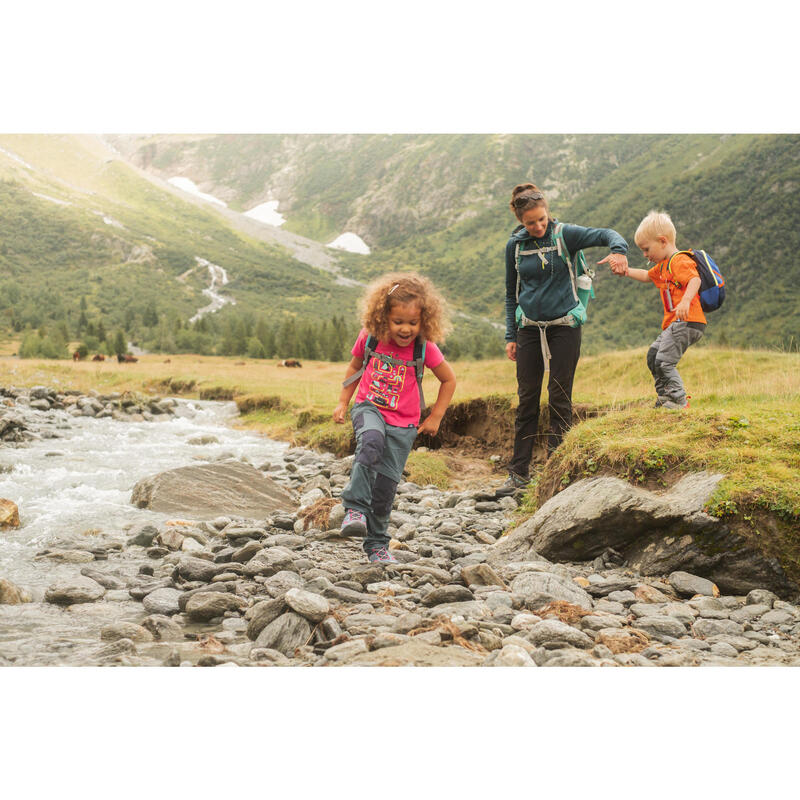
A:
[98,357]
[126,359]
[76,356]
[167,360]
[290,362]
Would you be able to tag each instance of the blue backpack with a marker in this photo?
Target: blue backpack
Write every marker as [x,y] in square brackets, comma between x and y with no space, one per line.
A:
[712,284]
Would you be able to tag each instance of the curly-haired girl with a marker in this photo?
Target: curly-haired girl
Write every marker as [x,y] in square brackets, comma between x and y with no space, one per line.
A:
[401,312]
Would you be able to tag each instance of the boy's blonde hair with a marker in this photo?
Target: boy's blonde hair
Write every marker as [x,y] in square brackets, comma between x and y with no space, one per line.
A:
[656,223]
[400,288]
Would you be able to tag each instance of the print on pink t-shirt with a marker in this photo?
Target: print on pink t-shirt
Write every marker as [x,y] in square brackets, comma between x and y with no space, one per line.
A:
[393,388]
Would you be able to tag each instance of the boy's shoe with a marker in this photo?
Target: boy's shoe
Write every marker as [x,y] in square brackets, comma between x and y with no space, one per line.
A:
[381,555]
[354,523]
[673,406]
[514,483]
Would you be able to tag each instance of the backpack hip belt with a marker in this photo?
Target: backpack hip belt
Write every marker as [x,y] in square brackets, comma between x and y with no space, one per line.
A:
[542,325]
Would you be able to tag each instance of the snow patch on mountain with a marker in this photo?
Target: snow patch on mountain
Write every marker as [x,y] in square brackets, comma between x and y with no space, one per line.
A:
[267,213]
[350,242]
[188,185]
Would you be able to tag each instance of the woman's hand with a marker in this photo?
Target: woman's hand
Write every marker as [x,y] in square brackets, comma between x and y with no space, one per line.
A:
[617,261]
[339,413]
[511,350]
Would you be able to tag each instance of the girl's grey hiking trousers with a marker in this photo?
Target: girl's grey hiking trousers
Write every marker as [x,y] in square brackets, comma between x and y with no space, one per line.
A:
[381,454]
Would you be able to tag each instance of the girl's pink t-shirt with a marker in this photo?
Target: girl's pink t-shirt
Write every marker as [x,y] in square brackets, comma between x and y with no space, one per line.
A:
[393,388]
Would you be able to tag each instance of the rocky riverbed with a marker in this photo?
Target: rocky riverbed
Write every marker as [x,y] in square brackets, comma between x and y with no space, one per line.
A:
[286,589]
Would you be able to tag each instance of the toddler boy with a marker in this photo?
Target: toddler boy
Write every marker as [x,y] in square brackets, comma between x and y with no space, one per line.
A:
[675,275]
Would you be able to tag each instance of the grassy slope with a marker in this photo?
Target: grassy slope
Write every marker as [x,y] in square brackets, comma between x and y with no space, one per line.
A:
[75,253]
[744,418]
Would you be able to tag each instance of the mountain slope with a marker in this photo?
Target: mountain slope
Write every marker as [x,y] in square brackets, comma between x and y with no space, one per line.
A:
[81,227]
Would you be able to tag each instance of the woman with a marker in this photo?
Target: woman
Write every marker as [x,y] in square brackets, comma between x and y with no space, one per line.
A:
[544,313]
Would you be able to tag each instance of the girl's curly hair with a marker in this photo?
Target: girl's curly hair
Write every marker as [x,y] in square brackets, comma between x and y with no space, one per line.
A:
[405,287]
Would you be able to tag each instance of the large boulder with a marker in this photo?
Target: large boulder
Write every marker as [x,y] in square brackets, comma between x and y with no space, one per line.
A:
[205,491]
[657,533]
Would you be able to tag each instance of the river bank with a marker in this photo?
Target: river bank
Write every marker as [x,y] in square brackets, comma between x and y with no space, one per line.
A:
[138,588]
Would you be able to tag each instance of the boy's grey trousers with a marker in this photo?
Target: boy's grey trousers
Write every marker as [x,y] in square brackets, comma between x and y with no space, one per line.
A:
[381,454]
[664,355]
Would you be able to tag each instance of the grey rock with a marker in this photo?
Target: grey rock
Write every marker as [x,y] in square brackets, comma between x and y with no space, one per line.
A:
[705,628]
[451,593]
[205,606]
[207,490]
[269,561]
[262,614]
[281,582]
[106,581]
[599,622]
[407,622]
[125,630]
[661,628]
[724,649]
[470,609]
[74,590]
[687,585]
[709,608]
[162,602]
[143,535]
[761,597]
[540,588]
[191,568]
[419,654]
[553,631]
[632,660]
[570,657]
[741,643]
[776,617]
[312,606]
[748,613]
[581,522]
[162,628]
[625,597]
[346,650]
[269,656]
[285,634]
[512,655]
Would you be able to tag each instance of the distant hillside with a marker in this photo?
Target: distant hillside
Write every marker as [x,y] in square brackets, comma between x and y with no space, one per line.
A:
[84,235]
[439,204]
[128,242]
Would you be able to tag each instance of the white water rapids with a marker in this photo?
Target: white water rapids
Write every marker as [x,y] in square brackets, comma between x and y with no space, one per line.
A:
[78,486]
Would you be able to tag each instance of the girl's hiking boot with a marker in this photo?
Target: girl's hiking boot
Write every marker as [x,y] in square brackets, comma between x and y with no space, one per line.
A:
[354,523]
[673,406]
[381,555]
[514,483]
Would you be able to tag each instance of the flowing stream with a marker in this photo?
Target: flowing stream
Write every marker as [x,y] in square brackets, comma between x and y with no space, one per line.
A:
[76,486]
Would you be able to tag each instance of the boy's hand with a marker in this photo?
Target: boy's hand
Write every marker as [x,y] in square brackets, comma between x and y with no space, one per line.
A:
[430,425]
[617,261]
[339,412]
[682,311]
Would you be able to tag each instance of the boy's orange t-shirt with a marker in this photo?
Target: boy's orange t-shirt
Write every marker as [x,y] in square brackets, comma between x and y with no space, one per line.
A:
[672,287]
